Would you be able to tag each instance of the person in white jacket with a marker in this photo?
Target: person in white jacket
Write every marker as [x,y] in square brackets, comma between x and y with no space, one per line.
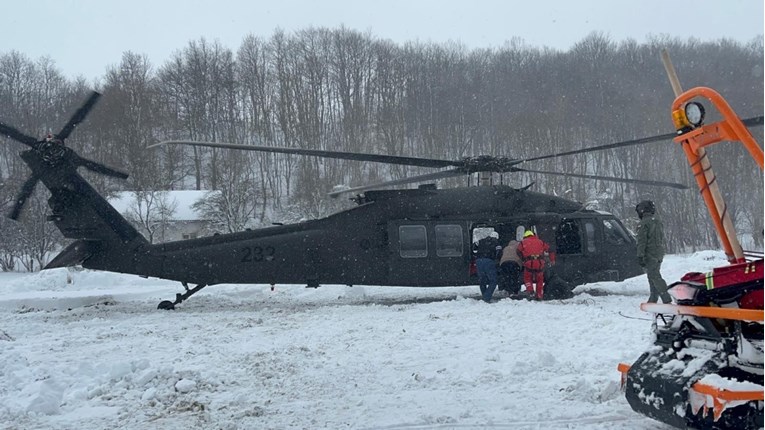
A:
[510,268]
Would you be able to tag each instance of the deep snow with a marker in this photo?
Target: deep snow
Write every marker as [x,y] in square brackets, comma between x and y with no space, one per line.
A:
[89,350]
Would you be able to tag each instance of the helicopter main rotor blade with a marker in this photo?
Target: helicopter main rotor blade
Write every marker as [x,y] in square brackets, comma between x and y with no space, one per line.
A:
[610,178]
[7,130]
[26,191]
[749,122]
[420,178]
[391,159]
[464,166]
[756,121]
[78,116]
[667,136]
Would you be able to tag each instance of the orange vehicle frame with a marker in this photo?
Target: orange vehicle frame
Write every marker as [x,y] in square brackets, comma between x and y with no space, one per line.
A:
[729,128]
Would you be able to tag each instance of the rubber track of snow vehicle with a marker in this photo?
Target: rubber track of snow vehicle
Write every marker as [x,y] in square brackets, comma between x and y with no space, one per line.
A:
[668,382]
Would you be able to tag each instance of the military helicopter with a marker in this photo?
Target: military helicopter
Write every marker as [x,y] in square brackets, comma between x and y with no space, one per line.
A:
[412,237]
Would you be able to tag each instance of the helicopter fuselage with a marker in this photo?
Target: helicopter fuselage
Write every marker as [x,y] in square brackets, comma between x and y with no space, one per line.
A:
[416,237]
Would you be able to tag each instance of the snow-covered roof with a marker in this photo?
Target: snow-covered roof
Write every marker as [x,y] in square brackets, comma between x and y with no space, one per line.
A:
[183,200]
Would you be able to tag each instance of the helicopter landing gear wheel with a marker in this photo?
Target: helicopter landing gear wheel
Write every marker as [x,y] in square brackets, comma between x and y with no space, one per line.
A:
[168,305]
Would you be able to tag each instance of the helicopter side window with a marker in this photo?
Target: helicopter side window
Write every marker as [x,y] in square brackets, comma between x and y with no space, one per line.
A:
[413,241]
[568,239]
[519,232]
[449,240]
[614,233]
[590,229]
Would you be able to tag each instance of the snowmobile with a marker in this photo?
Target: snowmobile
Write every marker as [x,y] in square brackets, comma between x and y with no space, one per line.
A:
[705,367]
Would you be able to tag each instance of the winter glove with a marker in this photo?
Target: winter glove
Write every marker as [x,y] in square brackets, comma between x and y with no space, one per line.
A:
[641,261]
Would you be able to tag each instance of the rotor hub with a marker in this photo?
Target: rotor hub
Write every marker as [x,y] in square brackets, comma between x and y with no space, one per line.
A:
[488,163]
[52,151]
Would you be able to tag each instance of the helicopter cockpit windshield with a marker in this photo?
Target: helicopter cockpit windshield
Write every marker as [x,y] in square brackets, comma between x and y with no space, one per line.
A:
[614,233]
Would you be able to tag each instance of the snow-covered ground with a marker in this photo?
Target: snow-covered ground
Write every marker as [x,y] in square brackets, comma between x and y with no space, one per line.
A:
[89,350]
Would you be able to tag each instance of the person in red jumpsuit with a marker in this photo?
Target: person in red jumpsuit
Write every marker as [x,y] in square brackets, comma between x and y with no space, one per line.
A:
[534,253]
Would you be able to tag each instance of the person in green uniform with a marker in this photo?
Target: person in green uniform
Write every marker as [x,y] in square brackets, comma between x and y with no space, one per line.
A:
[650,250]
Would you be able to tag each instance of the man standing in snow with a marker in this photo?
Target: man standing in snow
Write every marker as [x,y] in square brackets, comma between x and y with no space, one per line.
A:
[486,252]
[650,250]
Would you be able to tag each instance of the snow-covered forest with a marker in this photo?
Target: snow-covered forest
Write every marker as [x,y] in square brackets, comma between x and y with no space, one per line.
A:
[339,89]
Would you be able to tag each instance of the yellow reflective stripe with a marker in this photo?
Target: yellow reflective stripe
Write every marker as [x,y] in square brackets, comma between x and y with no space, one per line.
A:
[710,281]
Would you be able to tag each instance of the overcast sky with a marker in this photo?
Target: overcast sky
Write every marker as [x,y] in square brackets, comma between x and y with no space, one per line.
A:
[84,37]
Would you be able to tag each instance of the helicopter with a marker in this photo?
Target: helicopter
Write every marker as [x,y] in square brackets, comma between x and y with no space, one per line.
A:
[405,237]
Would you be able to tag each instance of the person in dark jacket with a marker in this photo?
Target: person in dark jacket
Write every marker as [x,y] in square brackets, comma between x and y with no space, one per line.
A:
[650,250]
[534,253]
[486,252]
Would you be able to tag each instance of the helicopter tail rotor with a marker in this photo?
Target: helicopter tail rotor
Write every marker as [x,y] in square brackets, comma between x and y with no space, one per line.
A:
[8,131]
[51,152]
[78,116]
[26,191]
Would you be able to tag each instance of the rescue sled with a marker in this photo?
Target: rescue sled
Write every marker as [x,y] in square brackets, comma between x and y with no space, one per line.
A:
[705,368]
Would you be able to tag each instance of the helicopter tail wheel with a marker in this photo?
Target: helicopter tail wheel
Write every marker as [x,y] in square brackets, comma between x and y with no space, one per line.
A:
[179,298]
[166,305]
[52,151]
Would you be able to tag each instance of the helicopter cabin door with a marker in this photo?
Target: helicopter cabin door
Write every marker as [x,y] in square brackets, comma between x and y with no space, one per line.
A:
[427,253]
[584,254]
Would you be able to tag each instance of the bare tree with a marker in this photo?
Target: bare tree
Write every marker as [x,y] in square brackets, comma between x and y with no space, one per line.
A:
[258,93]
[226,211]
[152,211]
[130,94]
[201,82]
